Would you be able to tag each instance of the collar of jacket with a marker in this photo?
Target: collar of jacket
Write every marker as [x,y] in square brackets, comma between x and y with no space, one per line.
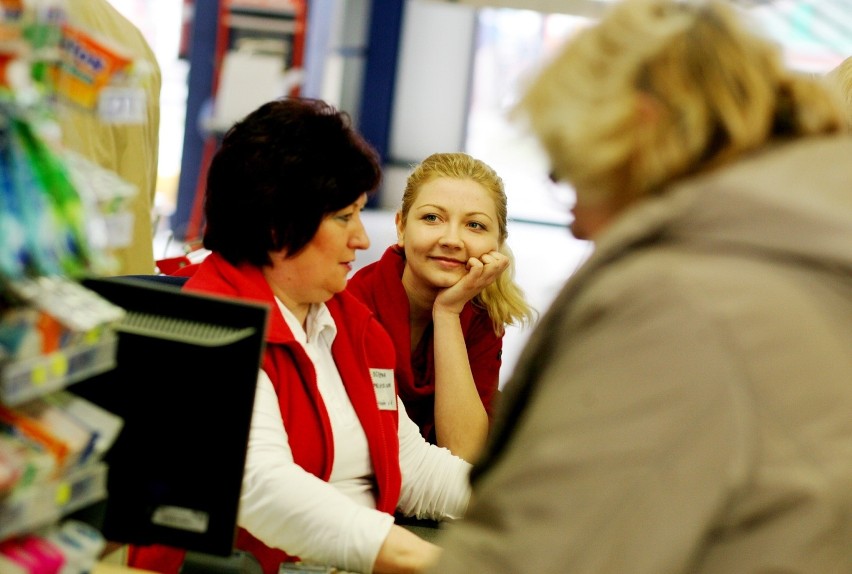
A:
[245,281]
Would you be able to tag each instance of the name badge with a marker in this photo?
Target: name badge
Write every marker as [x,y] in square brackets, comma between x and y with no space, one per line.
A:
[385,388]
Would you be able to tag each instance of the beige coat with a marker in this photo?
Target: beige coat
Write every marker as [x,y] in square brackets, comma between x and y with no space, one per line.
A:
[131,150]
[686,404]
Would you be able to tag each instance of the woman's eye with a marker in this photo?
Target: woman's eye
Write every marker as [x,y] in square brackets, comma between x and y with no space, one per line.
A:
[476,225]
[430,217]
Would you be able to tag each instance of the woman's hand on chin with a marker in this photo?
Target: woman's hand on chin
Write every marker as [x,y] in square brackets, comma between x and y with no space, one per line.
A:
[481,272]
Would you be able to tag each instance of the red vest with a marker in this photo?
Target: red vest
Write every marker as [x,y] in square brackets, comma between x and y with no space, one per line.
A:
[379,286]
[361,344]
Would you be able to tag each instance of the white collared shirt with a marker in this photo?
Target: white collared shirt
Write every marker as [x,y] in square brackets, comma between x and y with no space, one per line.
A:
[352,471]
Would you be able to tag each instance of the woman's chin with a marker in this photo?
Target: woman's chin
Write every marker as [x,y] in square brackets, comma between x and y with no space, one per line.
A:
[444,280]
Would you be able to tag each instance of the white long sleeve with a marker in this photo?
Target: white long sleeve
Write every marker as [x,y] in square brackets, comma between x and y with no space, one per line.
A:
[435,482]
[336,522]
[286,507]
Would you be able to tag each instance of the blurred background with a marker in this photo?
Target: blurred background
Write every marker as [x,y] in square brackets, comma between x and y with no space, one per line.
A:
[417,76]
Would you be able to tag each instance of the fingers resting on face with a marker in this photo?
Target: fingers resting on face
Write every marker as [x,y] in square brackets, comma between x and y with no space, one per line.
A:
[482,271]
[492,262]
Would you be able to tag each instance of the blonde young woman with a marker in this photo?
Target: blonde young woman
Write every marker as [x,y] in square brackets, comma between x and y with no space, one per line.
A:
[684,406]
[445,293]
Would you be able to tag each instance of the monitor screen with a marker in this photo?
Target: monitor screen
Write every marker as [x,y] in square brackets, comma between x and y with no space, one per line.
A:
[187,366]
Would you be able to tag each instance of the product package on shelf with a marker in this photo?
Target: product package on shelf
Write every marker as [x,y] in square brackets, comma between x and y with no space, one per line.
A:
[45,503]
[41,209]
[80,544]
[62,214]
[29,554]
[107,195]
[68,440]
[53,332]
[49,71]
[13,464]
[51,449]
[87,65]
[71,548]
[26,463]
[72,430]
[42,506]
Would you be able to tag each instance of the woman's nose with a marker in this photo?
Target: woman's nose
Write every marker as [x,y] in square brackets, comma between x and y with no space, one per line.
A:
[450,237]
[360,239]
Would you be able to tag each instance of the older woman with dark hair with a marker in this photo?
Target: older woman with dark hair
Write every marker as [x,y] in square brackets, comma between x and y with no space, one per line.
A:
[332,454]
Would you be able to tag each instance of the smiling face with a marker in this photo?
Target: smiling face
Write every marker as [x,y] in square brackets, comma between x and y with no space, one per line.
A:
[449,221]
[320,269]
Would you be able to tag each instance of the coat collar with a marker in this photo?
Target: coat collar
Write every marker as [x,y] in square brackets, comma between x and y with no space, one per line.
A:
[246,281]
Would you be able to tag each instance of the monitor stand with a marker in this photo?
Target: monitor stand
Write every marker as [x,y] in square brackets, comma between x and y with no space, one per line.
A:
[237,563]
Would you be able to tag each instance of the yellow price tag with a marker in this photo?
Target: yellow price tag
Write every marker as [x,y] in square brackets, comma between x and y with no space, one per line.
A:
[59,365]
[63,494]
[39,375]
[92,336]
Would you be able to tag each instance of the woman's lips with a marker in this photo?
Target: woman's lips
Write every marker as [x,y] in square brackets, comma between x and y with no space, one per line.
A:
[448,262]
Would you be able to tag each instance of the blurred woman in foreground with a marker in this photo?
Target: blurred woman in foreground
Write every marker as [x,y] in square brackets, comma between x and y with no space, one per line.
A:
[684,404]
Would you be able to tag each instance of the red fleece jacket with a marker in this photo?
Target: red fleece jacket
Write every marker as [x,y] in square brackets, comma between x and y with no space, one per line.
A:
[379,286]
[361,344]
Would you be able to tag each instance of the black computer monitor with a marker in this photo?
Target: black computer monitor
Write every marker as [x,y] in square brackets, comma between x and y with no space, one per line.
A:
[187,367]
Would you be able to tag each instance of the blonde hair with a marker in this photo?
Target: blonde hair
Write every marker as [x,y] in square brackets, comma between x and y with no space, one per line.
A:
[840,82]
[503,300]
[661,89]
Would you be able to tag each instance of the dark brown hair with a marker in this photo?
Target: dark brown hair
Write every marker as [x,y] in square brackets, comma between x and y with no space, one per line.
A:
[278,172]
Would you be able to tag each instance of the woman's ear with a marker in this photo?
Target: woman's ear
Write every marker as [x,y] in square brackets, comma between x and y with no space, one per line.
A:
[278,255]
[400,229]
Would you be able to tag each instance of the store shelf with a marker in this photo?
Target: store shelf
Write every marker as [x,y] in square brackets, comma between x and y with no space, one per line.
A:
[45,503]
[24,380]
[65,218]
[267,7]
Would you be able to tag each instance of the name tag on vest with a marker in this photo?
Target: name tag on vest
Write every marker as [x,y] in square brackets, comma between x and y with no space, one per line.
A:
[385,389]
